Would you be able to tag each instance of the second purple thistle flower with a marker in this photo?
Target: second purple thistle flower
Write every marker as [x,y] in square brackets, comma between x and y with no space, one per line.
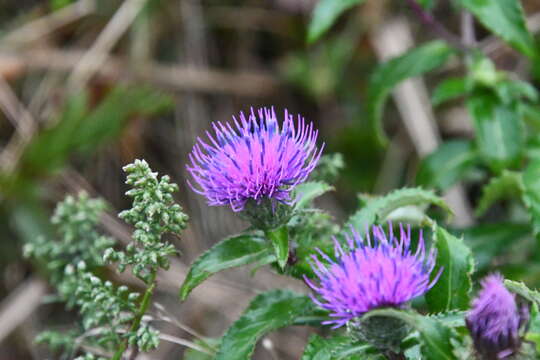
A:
[254,159]
[376,271]
[495,320]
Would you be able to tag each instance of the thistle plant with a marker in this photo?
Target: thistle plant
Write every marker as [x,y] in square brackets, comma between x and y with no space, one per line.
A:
[495,321]
[376,271]
[254,166]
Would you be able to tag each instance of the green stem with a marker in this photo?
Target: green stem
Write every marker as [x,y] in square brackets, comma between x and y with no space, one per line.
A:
[143,307]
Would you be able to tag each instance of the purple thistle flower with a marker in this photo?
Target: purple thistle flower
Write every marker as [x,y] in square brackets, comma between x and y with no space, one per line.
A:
[254,160]
[375,272]
[495,320]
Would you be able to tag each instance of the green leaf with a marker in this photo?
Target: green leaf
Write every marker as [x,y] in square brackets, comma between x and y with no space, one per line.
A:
[447,165]
[533,332]
[308,230]
[333,348]
[50,148]
[81,130]
[487,241]
[522,290]
[506,19]
[499,130]
[452,290]
[507,185]
[280,240]
[483,73]
[109,118]
[531,194]
[59,4]
[510,90]
[325,14]
[377,210]
[231,252]
[267,312]
[435,336]
[427,4]
[389,74]
[449,89]
[306,192]
[531,115]
[452,318]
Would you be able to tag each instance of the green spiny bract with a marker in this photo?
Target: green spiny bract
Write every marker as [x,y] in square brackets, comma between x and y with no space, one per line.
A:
[154,213]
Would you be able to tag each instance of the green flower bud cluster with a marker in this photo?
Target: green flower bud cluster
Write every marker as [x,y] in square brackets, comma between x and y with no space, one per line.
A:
[112,316]
[72,259]
[154,213]
[76,220]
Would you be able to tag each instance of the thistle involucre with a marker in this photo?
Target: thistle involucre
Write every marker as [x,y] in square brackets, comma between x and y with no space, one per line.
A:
[495,320]
[254,159]
[376,271]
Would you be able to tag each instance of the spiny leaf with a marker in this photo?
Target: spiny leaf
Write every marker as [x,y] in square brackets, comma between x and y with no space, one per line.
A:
[451,318]
[435,336]
[452,290]
[507,185]
[306,192]
[333,348]
[533,332]
[267,312]
[531,194]
[231,252]
[378,209]
[522,290]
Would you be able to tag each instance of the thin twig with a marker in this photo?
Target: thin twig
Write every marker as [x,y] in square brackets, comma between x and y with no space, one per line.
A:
[36,30]
[170,77]
[21,119]
[184,342]
[428,19]
[97,54]
[468,35]
[167,316]
[20,304]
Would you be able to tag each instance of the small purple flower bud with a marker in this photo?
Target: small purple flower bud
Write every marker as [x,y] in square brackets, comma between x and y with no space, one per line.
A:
[254,160]
[375,272]
[495,320]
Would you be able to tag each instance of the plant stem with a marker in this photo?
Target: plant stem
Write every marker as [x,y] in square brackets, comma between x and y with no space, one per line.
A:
[143,307]
[468,35]
[428,19]
[390,355]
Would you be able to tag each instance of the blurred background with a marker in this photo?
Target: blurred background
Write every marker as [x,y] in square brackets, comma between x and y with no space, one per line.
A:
[88,86]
